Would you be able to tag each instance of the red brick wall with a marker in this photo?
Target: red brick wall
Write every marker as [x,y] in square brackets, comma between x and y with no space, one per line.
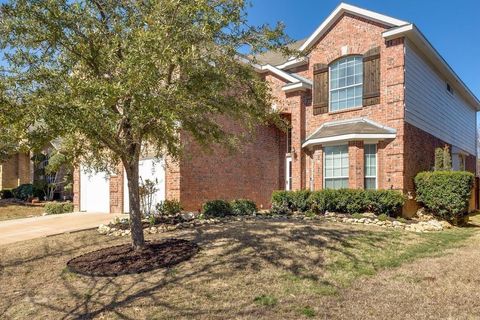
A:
[116,190]
[420,156]
[76,189]
[358,35]
[252,172]
[356,165]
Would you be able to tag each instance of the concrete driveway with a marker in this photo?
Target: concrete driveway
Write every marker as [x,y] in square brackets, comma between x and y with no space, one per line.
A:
[37,227]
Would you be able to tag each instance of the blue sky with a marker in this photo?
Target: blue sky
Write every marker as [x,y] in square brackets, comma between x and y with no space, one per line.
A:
[451,26]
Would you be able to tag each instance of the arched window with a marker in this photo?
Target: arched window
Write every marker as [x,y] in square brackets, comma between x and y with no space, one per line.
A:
[346,83]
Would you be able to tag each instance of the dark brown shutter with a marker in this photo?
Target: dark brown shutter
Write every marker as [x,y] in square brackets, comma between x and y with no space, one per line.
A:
[371,77]
[320,88]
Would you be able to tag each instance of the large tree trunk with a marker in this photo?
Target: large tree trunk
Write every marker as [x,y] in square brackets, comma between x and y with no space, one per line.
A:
[136,228]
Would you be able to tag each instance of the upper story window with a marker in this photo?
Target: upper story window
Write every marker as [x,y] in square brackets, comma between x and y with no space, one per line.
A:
[346,83]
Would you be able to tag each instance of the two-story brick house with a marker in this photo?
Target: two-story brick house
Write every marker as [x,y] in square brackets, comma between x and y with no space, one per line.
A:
[368,103]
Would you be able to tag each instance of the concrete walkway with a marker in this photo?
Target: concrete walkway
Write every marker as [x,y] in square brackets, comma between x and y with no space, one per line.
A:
[37,227]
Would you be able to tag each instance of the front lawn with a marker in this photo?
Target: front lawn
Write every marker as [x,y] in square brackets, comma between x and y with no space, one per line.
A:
[246,270]
[16,210]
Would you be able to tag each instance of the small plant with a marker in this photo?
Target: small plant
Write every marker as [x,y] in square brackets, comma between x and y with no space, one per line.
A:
[443,159]
[58,207]
[402,220]
[152,220]
[147,190]
[169,208]
[308,312]
[216,209]
[266,300]
[6,194]
[357,216]
[310,214]
[383,217]
[243,207]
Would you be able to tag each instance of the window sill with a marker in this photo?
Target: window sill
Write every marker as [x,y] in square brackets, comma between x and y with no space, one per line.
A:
[345,110]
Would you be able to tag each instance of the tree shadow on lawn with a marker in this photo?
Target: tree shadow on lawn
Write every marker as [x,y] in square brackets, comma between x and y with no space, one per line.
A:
[229,252]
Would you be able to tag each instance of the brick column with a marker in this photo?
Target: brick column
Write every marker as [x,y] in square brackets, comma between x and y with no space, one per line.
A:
[318,170]
[298,135]
[172,179]
[356,161]
[76,189]
[116,191]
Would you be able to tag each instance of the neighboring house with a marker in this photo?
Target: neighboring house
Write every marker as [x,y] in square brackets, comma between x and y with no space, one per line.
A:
[16,170]
[368,104]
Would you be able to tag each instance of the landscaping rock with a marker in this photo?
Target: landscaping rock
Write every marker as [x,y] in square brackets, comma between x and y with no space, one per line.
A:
[187,216]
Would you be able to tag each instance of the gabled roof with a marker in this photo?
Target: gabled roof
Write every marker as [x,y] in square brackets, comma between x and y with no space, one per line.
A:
[351,129]
[347,8]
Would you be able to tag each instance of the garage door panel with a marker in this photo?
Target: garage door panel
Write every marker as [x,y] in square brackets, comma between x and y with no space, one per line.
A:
[94,191]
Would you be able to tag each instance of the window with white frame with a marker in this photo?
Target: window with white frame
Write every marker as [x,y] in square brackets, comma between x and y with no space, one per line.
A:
[346,83]
[336,167]
[370,154]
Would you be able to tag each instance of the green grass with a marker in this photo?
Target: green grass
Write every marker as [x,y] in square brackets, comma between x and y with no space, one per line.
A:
[266,300]
[366,254]
[358,216]
[308,312]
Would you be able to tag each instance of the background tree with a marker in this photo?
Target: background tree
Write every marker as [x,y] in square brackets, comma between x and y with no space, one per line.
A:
[111,76]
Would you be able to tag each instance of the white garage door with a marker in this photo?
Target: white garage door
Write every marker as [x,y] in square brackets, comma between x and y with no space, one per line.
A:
[154,170]
[94,192]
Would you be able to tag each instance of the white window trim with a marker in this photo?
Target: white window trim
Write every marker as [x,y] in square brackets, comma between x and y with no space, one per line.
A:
[346,87]
[324,166]
[376,166]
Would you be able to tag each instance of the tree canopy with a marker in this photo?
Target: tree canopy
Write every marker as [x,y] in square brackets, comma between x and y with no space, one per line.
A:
[111,76]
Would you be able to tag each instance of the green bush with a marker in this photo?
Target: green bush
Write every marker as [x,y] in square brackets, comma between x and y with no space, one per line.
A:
[58,207]
[388,202]
[6,194]
[289,201]
[27,190]
[242,207]
[169,207]
[445,193]
[216,209]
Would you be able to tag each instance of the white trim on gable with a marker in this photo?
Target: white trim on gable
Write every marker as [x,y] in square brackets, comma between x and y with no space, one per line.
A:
[337,13]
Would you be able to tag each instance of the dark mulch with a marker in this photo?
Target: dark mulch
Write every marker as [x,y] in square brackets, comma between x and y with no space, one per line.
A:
[118,260]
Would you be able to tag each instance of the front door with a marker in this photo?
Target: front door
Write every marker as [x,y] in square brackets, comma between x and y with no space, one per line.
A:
[288,174]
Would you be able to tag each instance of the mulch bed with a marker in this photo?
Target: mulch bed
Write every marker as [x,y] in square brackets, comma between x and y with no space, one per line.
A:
[122,259]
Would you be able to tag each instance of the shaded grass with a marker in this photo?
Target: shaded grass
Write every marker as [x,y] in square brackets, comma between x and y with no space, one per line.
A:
[251,270]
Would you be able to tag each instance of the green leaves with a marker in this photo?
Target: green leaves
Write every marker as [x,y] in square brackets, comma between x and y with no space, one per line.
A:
[117,74]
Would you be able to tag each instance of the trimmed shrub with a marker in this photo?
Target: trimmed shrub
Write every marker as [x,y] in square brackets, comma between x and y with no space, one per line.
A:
[6,194]
[58,207]
[289,201]
[169,207]
[299,200]
[216,209]
[388,202]
[243,207]
[445,193]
